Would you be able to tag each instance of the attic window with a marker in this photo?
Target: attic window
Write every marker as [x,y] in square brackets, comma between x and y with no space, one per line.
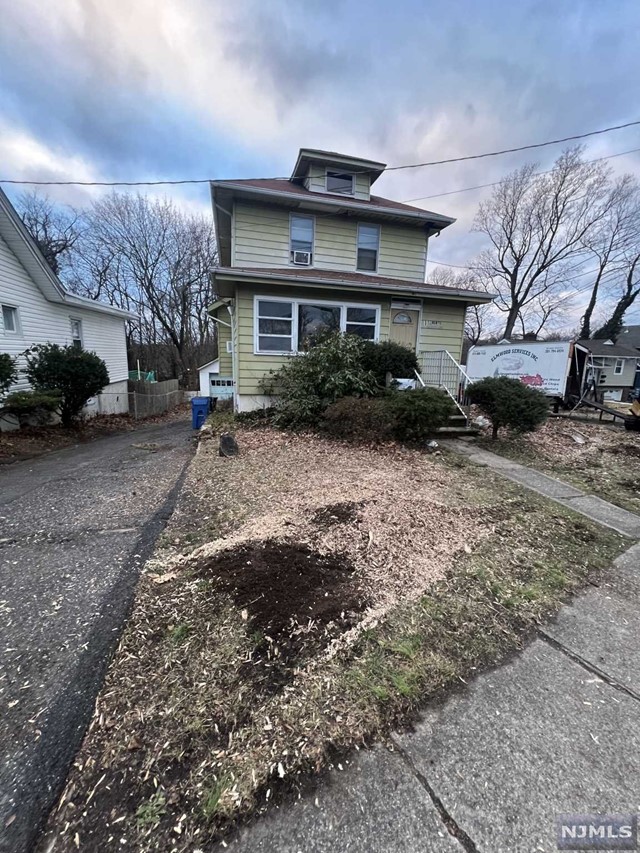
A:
[340,183]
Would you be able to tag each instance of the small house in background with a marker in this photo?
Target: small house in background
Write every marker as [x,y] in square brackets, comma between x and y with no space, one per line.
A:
[35,308]
[611,368]
[320,251]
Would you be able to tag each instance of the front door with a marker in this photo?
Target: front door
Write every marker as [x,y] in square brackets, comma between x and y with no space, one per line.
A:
[404,327]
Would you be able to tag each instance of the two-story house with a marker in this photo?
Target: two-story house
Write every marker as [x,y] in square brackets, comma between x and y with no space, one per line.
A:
[319,250]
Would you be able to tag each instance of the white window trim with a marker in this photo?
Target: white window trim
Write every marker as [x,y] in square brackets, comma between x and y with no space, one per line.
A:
[370,225]
[17,331]
[294,321]
[77,320]
[616,372]
[312,217]
[352,194]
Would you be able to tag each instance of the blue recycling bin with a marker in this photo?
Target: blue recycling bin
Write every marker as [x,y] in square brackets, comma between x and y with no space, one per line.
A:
[199,411]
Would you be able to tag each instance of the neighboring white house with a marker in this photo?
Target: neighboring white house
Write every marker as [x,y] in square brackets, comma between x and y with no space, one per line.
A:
[35,308]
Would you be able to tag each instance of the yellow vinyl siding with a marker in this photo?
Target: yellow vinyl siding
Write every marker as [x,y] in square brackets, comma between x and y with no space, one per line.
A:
[224,335]
[252,368]
[402,252]
[261,239]
[315,181]
[448,334]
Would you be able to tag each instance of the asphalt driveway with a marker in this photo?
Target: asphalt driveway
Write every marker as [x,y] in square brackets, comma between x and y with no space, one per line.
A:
[75,528]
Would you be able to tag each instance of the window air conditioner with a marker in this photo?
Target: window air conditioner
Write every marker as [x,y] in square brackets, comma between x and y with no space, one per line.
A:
[302,258]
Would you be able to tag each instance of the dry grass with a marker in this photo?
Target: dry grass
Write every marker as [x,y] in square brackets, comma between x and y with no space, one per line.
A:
[601,460]
[214,705]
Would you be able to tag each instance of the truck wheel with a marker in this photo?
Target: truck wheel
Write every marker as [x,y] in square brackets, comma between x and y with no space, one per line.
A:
[632,424]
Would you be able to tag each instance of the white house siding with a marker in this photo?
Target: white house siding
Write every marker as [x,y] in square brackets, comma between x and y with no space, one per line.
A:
[40,321]
[261,239]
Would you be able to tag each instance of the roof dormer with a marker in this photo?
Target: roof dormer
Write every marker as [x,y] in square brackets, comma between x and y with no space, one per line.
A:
[336,174]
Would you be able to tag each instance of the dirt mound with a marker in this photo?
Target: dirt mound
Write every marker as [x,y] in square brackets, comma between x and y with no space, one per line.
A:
[296,600]
[626,449]
[345,512]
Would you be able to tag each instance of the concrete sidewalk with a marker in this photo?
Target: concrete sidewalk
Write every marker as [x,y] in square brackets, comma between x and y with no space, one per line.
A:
[554,731]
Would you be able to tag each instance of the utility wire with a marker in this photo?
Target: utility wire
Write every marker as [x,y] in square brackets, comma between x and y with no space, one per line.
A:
[496,183]
[386,168]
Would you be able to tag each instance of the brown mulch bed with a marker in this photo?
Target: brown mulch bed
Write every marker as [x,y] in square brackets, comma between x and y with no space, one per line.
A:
[306,596]
[603,460]
[31,441]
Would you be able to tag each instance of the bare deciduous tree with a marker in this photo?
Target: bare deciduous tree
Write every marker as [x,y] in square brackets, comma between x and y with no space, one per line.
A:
[480,320]
[55,228]
[149,257]
[537,226]
[611,244]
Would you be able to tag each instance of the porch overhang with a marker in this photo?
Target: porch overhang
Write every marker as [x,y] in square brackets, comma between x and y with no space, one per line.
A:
[225,280]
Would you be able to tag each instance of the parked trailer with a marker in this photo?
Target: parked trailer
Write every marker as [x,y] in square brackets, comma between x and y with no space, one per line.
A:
[544,366]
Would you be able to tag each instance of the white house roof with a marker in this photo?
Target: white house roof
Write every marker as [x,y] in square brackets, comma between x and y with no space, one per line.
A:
[24,247]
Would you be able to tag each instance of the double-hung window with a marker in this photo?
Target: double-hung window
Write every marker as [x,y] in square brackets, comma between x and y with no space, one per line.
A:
[618,369]
[301,239]
[340,183]
[285,326]
[10,319]
[368,247]
[76,333]
[275,326]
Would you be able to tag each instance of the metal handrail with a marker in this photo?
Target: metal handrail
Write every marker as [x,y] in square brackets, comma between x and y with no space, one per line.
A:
[441,370]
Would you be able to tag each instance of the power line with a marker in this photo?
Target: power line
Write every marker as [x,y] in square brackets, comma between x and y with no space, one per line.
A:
[496,183]
[386,168]
[513,150]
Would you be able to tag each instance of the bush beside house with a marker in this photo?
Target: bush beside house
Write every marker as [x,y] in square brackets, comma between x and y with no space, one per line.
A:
[72,375]
[8,372]
[339,386]
[509,403]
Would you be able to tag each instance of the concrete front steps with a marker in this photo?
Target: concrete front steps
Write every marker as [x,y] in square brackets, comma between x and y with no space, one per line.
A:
[458,425]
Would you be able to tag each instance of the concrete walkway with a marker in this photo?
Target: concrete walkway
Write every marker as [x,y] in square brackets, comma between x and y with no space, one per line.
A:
[75,528]
[554,731]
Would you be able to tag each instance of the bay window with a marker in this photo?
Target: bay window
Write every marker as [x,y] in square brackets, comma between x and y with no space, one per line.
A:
[287,326]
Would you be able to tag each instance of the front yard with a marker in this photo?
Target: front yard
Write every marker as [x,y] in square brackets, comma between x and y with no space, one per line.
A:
[305,597]
[600,460]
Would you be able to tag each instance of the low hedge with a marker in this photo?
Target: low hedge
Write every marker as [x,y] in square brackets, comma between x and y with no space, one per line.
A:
[410,416]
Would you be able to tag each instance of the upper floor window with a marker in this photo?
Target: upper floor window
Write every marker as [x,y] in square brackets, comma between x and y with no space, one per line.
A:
[368,246]
[76,333]
[10,319]
[341,183]
[618,369]
[301,239]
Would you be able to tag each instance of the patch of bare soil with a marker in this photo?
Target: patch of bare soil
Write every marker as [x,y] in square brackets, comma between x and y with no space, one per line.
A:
[306,596]
[30,441]
[603,460]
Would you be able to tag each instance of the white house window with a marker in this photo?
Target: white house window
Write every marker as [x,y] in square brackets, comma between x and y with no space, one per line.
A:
[76,333]
[340,183]
[619,366]
[275,326]
[368,245]
[301,239]
[286,326]
[10,319]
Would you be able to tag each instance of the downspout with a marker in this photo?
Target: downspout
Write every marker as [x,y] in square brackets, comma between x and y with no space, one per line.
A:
[234,353]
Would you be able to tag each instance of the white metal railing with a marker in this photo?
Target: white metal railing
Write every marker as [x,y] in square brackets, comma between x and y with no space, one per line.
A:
[439,369]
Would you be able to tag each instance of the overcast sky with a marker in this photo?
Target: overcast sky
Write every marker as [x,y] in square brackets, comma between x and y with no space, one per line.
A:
[151,89]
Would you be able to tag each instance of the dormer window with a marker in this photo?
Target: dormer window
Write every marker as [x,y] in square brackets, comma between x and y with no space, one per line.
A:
[340,183]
